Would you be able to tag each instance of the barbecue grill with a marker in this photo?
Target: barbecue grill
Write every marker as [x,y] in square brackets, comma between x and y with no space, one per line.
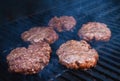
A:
[108,66]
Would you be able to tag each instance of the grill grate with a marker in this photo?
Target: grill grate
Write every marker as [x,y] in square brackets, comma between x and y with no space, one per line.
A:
[107,69]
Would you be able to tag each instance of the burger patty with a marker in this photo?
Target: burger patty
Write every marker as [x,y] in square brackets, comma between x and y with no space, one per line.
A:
[40,34]
[95,30]
[29,60]
[77,55]
[62,23]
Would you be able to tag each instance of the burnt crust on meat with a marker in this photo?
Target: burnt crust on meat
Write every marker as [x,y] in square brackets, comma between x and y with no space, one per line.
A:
[62,23]
[40,34]
[95,30]
[29,60]
[77,55]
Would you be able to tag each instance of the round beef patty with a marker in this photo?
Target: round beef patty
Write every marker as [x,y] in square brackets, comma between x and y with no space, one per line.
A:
[62,23]
[40,34]
[95,30]
[77,55]
[29,60]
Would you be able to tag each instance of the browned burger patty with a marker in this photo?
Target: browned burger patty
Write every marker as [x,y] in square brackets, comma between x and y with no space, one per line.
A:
[95,30]
[29,60]
[62,23]
[38,34]
[77,55]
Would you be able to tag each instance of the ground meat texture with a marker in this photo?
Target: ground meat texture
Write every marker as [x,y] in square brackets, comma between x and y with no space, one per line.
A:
[38,34]
[29,60]
[62,23]
[95,30]
[77,55]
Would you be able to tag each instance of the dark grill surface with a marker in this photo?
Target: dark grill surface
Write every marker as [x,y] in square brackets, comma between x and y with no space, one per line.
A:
[108,67]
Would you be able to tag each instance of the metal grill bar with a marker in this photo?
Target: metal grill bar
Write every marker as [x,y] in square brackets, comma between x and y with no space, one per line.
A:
[109,50]
[70,76]
[96,74]
[112,46]
[110,11]
[114,15]
[107,73]
[99,8]
[108,54]
[109,66]
[81,75]
[109,60]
